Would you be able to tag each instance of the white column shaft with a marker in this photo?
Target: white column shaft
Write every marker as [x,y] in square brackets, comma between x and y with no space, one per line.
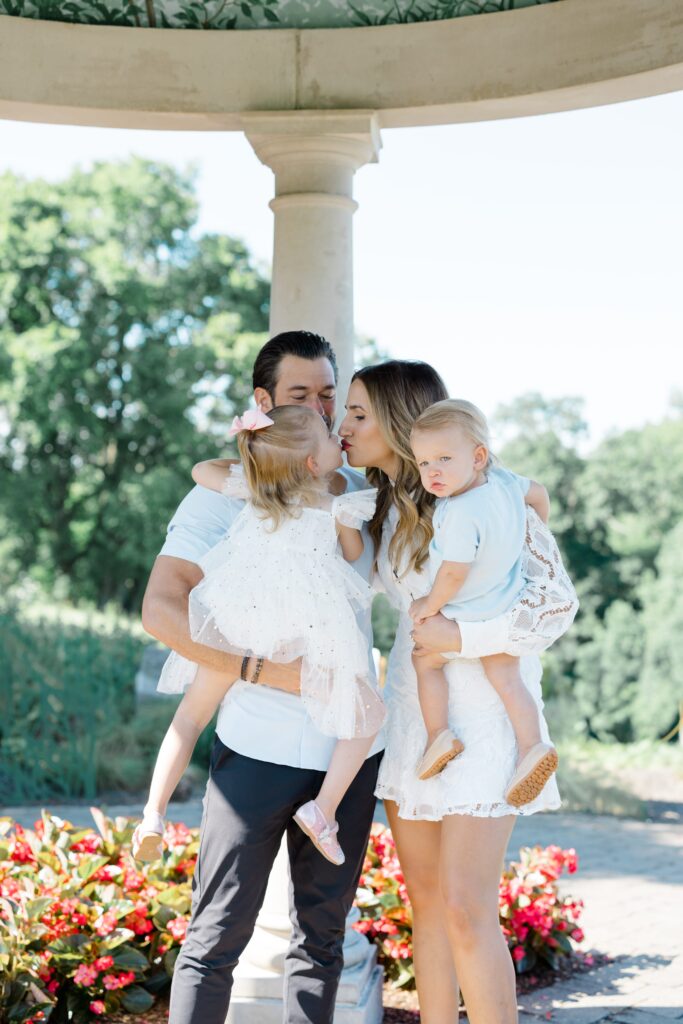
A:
[312,285]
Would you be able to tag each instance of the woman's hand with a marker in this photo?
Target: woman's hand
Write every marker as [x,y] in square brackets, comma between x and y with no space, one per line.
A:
[423,658]
[420,610]
[437,633]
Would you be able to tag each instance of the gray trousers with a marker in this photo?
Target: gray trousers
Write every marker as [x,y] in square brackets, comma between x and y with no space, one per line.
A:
[247,809]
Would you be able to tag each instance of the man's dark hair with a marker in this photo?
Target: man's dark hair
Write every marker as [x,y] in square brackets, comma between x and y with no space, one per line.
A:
[303,344]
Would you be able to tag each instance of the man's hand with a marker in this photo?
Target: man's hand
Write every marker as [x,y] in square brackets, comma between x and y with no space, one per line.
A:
[437,634]
[419,610]
[282,676]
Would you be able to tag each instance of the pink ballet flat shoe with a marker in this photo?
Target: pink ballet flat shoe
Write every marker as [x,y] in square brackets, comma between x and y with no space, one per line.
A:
[531,775]
[437,755]
[312,821]
[148,838]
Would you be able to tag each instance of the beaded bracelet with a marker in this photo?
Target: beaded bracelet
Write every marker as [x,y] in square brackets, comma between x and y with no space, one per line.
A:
[257,670]
[243,670]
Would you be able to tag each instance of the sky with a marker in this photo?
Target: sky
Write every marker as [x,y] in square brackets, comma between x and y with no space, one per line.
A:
[535,254]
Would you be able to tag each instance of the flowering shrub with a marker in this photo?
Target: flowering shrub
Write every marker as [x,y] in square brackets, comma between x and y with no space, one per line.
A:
[86,932]
[536,921]
[83,931]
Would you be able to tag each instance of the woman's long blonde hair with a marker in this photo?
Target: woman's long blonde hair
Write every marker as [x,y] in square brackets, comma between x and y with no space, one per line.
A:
[274,461]
[399,390]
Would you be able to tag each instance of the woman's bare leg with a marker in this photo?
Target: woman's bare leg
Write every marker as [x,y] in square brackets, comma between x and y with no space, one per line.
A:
[472,856]
[418,844]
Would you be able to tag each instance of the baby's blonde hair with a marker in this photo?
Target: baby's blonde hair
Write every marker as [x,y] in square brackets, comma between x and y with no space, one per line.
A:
[456,412]
[274,461]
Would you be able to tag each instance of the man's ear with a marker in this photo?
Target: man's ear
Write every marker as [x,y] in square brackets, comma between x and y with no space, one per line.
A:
[263,400]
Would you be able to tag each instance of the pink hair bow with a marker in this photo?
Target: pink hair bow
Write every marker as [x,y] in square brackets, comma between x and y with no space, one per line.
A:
[251,419]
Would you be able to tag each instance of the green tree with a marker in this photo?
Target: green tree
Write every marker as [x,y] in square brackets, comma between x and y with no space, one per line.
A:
[631,494]
[540,439]
[659,698]
[608,668]
[125,338]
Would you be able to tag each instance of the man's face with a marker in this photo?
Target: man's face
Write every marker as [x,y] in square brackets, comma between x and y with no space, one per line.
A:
[302,382]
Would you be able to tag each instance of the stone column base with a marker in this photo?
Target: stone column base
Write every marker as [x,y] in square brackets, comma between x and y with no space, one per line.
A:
[257,994]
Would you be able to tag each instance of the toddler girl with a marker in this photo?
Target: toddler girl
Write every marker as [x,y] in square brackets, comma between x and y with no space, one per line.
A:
[276,588]
[476,568]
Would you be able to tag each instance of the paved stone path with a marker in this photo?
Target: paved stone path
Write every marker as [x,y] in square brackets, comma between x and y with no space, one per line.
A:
[631,879]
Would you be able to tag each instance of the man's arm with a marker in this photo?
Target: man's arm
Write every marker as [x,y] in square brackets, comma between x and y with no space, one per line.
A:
[165,616]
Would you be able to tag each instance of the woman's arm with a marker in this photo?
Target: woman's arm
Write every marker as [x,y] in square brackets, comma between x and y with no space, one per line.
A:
[539,499]
[213,473]
[165,616]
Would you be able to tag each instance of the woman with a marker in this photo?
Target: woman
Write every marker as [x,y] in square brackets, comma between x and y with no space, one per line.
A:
[452,829]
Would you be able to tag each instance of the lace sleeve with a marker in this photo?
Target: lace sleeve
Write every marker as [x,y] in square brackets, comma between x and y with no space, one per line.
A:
[235,484]
[355,508]
[543,611]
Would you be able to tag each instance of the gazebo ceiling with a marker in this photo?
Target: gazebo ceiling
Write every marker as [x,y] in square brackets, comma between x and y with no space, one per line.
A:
[246,14]
[508,63]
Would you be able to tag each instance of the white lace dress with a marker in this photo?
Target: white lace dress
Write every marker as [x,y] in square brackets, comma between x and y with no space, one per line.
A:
[285,594]
[475,782]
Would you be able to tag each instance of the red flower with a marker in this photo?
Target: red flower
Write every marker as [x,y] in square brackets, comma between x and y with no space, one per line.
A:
[112,981]
[103,963]
[518,953]
[98,1007]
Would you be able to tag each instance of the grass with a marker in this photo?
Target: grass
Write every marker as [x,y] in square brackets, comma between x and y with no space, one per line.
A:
[619,778]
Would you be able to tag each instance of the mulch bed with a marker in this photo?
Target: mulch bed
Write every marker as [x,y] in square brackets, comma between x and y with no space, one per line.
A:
[400,1005]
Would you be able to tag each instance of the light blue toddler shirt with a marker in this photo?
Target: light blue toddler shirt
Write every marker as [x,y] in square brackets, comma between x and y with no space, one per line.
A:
[485,526]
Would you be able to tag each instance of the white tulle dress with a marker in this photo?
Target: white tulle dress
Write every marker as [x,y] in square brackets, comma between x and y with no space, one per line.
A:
[474,783]
[288,593]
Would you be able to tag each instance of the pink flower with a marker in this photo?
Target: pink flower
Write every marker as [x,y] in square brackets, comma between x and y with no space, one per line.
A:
[518,953]
[177,926]
[107,923]
[97,1006]
[577,935]
[103,963]
[86,974]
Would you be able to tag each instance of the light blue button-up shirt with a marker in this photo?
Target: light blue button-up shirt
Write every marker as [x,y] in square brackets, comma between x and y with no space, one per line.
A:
[260,721]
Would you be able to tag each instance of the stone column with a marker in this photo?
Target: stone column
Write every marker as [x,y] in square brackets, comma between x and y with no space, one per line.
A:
[314,158]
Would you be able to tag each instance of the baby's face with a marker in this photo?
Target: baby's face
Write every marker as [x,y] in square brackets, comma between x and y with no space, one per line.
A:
[449,461]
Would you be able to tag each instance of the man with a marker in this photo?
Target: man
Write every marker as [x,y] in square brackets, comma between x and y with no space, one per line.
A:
[268,758]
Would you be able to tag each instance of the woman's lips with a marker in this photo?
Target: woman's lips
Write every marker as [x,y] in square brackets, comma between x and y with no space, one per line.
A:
[345,444]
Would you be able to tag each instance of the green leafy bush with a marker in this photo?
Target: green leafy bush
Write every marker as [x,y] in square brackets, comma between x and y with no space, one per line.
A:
[85,931]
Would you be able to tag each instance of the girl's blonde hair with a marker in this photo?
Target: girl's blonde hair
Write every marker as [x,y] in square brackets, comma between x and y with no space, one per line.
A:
[274,461]
[399,390]
[456,412]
